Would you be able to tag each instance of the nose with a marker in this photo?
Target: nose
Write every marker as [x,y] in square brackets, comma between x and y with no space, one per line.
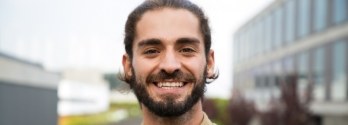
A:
[170,63]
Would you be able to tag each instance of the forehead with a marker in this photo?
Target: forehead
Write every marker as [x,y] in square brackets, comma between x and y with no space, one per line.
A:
[168,24]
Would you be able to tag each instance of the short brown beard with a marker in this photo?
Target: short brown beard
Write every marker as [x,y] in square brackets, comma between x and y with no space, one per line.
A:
[169,107]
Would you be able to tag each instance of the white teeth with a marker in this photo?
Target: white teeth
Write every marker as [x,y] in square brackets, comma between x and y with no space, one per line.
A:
[170,84]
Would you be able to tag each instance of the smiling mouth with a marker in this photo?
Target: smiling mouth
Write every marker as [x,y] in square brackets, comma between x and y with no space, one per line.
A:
[170,85]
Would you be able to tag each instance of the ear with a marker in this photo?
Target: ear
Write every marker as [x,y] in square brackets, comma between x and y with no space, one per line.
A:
[127,65]
[210,64]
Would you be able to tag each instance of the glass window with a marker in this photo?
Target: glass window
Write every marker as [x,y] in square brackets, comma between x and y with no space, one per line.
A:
[252,40]
[268,72]
[320,12]
[262,35]
[290,21]
[278,30]
[268,33]
[319,67]
[304,16]
[258,78]
[248,42]
[339,83]
[303,68]
[339,11]
[303,75]
[277,72]
[239,47]
[275,79]
[258,38]
[271,31]
[289,65]
[236,48]
[245,45]
[242,46]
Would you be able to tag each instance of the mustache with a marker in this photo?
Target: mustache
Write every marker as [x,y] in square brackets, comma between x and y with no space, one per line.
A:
[175,76]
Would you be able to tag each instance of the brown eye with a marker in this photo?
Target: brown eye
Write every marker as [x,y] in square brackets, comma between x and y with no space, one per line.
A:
[187,50]
[151,51]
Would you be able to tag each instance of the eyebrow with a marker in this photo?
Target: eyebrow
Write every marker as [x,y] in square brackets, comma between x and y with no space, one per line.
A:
[149,42]
[187,41]
[154,41]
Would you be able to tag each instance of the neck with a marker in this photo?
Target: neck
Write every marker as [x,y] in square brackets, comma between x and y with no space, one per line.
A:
[192,117]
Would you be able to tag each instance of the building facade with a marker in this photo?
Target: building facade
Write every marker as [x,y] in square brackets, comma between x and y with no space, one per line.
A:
[308,38]
[28,93]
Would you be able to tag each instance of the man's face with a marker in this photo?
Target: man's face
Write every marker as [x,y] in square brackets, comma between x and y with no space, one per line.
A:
[169,64]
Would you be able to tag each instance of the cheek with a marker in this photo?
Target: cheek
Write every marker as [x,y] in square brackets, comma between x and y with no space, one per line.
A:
[196,66]
[142,69]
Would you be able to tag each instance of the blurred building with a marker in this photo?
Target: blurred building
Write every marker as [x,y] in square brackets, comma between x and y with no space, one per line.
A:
[28,93]
[120,91]
[83,92]
[305,37]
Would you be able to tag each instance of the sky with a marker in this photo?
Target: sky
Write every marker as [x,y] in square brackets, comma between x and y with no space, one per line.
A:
[89,33]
